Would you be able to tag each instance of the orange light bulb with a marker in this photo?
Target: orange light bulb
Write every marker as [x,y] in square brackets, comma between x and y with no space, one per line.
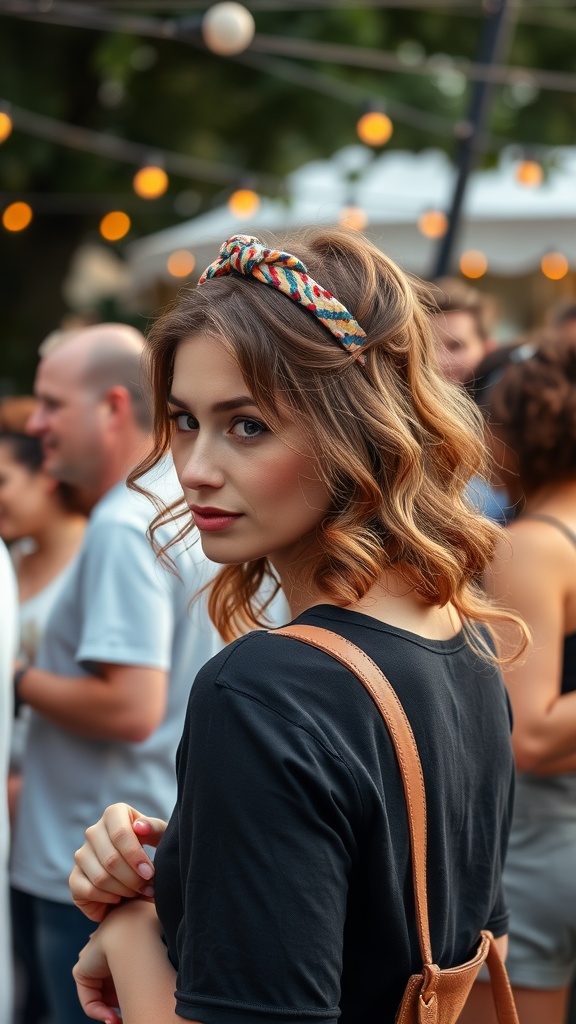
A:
[150,182]
[114,225]
[17,216]
[5,125]
[554,266]
[473,263]
[354,218]
[374,128]
[180,263]
[244,202]
[529,173]
[433,223]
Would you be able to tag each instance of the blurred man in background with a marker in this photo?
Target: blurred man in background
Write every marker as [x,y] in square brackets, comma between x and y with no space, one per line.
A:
[464,322]
[121,648]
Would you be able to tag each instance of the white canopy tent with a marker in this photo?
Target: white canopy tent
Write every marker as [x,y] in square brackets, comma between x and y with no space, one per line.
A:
[511,224]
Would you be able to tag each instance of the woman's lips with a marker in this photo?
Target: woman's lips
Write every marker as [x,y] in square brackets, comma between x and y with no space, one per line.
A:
[213,519]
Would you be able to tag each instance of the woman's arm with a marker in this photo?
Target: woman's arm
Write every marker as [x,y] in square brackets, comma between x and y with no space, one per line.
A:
[530,574]
[125,966]
[111,865]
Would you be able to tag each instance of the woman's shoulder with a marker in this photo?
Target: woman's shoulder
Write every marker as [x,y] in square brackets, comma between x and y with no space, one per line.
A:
[540,537]
[255,656]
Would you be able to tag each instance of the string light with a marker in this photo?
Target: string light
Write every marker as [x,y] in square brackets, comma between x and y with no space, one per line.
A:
[554,265]
[228,29]
[354,218]
[244,202]
[433,223]
[150,182]
[374,128]
[473,263]
[115,225]
[529,173]
[180,263]
[5,125]
[17,216]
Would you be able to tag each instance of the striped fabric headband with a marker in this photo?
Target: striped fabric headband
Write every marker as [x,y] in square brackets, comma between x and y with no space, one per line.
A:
[287,273]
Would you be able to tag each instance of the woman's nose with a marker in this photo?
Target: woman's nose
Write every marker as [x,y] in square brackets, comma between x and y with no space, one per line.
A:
[201,468]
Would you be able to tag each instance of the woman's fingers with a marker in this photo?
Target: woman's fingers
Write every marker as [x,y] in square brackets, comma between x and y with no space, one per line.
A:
[116,841]
[111,865]
[108,874]
[94,984]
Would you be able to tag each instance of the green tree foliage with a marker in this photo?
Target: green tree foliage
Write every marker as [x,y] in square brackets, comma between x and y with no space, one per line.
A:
[174,96]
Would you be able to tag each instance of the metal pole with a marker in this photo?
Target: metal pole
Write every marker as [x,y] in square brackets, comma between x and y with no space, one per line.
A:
[495,37]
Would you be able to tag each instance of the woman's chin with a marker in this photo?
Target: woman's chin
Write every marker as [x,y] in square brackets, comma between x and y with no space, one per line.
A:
[217,553]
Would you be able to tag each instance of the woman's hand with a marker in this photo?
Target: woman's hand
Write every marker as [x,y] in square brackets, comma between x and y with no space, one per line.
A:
[123,975]
[112,866]
[94,983]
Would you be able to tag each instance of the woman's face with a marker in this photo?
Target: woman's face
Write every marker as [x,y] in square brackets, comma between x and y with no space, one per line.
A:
[24,497]
[252,492]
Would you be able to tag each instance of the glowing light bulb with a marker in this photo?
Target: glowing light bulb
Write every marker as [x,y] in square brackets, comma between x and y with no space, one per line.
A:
[433,223]
[529,173]
[17,216]
[354,218]
[228,28]
[473,263]
[374,128]
[150,182]
[180,263]
[5,125]
[115,225]
[554,265]
[244,202]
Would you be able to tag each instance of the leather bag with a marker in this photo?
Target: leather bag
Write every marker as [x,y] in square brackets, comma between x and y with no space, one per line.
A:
[433,996]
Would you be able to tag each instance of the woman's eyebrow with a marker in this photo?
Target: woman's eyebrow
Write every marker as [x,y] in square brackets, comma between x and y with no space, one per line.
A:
[177,402]
[234,403]
[231,403]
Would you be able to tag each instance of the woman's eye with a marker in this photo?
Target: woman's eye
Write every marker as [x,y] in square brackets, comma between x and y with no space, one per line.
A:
[246,429]
[184,421]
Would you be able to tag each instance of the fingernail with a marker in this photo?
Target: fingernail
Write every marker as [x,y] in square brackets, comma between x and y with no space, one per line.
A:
[145,871]
[142,824]
[148,890]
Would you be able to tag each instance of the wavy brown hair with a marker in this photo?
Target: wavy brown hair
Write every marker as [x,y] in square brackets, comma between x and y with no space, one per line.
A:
[397,444]
[532,408]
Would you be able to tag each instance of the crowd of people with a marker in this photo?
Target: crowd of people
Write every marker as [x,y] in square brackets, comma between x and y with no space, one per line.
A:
[207,816]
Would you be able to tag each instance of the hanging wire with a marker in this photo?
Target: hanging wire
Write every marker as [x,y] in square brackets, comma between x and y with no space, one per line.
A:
[81,16]
[113,147]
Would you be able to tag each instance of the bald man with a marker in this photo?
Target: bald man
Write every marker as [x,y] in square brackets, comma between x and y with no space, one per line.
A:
[121,649]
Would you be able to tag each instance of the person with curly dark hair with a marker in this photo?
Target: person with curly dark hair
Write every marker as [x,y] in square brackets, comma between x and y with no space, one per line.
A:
[531,409]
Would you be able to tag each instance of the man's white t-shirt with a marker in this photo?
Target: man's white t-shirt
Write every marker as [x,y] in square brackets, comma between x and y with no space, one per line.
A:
[120,606]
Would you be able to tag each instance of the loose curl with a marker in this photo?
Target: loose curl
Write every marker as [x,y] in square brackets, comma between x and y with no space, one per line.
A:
[532,408]
[397,444]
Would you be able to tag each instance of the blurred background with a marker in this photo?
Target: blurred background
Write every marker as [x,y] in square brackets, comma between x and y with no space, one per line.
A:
[136,136]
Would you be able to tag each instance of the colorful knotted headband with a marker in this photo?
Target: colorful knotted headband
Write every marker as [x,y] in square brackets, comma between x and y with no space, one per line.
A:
[288,274]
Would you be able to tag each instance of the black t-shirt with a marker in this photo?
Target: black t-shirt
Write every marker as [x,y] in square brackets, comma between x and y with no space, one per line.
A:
[283,882]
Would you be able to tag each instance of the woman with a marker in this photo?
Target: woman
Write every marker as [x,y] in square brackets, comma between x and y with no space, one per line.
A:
[44,525]
[532,415]
[315,442]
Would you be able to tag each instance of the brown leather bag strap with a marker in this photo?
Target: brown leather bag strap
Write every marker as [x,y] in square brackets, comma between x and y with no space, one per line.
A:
[386,700]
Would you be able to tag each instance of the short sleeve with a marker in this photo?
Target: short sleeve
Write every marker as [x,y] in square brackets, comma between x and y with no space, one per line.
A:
[266,829]
[127,612]
[499,918]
